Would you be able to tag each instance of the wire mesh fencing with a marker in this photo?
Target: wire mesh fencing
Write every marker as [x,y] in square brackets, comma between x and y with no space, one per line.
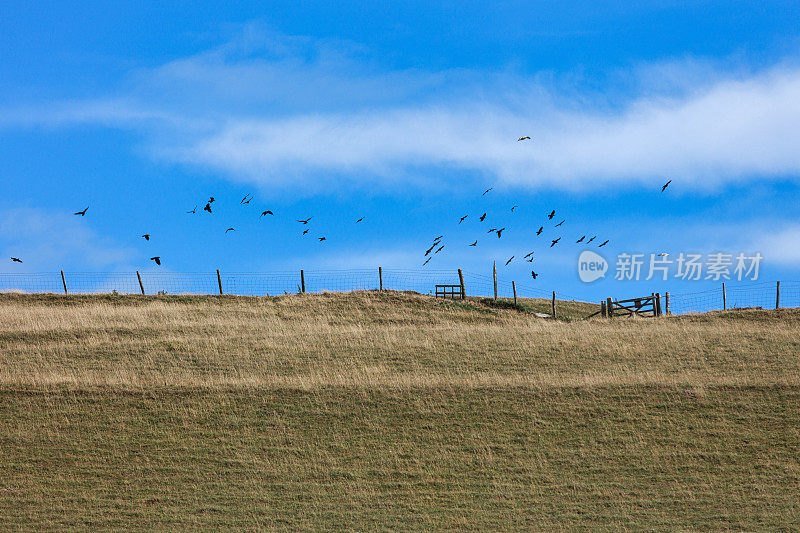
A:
[235,283]
[764,295]
[262,283]
[481,285]
[761,295]
[42,282]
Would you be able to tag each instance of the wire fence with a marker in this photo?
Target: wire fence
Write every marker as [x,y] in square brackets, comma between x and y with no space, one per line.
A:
[761,295]
[258,283]
[765,295]
[480,285]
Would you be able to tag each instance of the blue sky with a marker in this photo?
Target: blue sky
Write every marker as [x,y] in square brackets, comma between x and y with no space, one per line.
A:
[402,113]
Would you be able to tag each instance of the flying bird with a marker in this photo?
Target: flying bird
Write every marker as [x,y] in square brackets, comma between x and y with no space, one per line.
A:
[487,190]
[526,138]
[665,186]
[193,211]
[483,216]
[359,220]
[474,243]
[437,238]
[211,200]
[514,207]
[580,240]
[246,199]
[305,221]
[426,261]
[157,259]
[16,260]
[530,260]
[491,230]
[663,254]
[321,239]
[229,229]
[554,242]
[267,212]
[552,214]
[146,236]
[82,213]
[507,262]
[590,240]
[207,207]
[557,225]
[601,245]
[528,255]
[304,232]
[499,232]
[462,219]
[439,250]
[534,274]
[540,230]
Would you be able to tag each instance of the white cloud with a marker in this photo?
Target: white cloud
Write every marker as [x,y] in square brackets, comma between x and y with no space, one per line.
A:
[277,110]
[781,246]
[777,240]
[47,240]
[731,132]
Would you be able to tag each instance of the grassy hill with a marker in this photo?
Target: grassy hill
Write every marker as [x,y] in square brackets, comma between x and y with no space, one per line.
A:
[392,411]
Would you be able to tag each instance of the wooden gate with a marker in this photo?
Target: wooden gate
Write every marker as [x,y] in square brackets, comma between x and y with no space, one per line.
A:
[646,306]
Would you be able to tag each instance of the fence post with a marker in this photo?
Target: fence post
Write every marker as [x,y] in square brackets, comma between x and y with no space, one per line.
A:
[461,282]
[139,277]
[602,308]
[553,303]
[658,304]
[514,288]
[219,281]
[494,277]
[778,296]
[724,298]
[64,282]
[302,282]
[666,303]
[609,307]
[380,278]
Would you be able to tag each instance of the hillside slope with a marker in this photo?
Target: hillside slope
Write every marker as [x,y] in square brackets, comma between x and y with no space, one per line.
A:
[391,410]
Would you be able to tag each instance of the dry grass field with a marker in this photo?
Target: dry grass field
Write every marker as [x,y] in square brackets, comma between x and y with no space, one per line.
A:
[392,411]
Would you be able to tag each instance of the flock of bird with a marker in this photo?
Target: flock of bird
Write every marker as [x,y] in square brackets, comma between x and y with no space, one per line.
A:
[437,243]
[208,208]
